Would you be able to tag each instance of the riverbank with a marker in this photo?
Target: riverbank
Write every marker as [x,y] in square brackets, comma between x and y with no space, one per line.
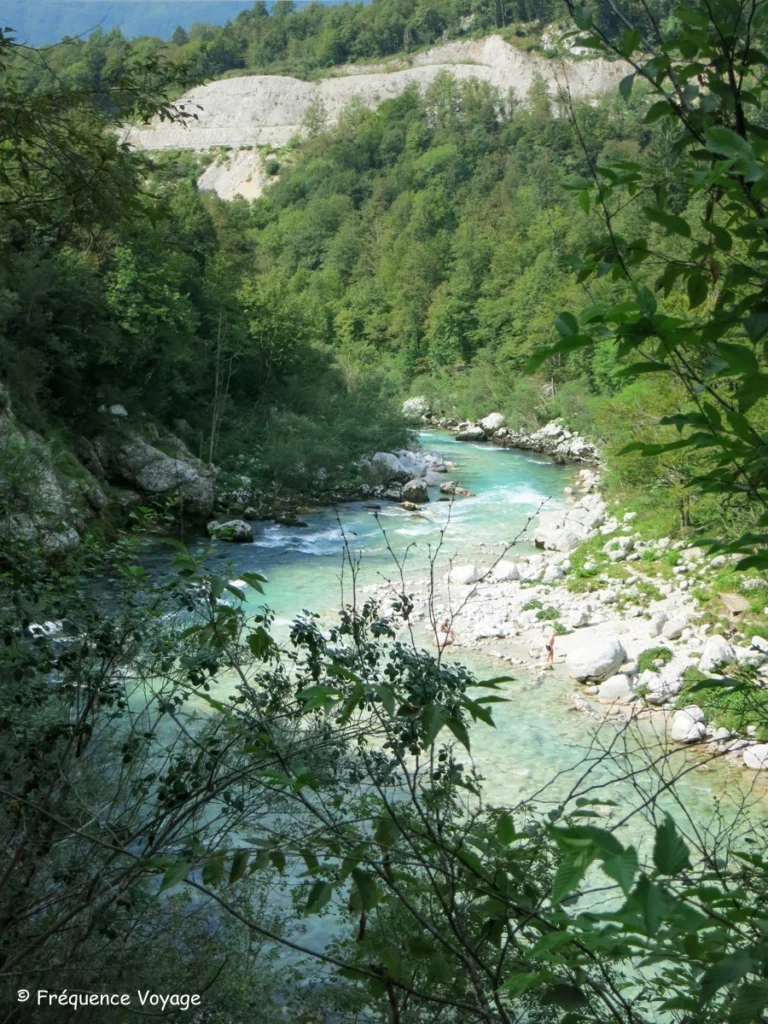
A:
[635,622]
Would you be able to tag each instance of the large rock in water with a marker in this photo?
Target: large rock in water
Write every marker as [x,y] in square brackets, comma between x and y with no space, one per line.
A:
[235,530]
[596,660]
[415,408]
[470,432]
[416,491]
[133,462]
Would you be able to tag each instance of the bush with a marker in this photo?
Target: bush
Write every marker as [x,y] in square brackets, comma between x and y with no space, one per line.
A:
[647,658]
[272,167]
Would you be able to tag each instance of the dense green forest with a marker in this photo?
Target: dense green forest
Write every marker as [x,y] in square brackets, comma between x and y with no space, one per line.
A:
[187,787]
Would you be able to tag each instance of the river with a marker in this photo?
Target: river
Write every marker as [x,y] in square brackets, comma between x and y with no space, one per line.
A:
[539,735]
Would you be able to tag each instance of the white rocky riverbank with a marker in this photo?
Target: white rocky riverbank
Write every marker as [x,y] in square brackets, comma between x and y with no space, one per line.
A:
[605,612]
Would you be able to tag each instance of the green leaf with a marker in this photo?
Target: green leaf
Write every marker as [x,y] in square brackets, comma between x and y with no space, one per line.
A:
[698,288]
[646,300]
[367,889]
[459,730]
[756,324]
[213,870]
[625,85]
[658,110]
[254,579]
[739,358]
[566,325]
[629,42]
[421,947]
[675,225]
[505,830]
[651,904]
[722,238]
[622,868]
[319,897]
[567,996]
[520,983]
[239,864]
[387,698]
[750,1002]
[724,142]
[570,872]
[260,643]
[584,201]
[174,874]
[670,854]
[731,968]
[387,832]
[433,718]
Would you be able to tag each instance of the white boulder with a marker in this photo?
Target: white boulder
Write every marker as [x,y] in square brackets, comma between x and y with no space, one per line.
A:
[596,660]
[463,574]
[493,422]
[416,492]
[470,432]
[756,757]
[414,408]
[506,571]
[616,689]
[688,725]
[717,654]
[673,628]
[236,530]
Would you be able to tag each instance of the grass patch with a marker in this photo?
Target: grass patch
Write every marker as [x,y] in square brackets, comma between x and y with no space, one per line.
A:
[647,658]
[732,703]
[547,614]
[532,606]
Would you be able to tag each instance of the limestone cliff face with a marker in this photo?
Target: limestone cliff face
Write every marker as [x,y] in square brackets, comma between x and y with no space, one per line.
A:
[267,110]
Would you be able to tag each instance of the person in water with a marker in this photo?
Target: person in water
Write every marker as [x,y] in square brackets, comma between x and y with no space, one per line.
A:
[550,645]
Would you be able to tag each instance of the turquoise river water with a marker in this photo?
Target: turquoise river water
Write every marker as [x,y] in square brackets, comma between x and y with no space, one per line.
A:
[538,734]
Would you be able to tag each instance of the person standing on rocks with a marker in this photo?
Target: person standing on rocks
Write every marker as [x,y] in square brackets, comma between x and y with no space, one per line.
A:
[550,646]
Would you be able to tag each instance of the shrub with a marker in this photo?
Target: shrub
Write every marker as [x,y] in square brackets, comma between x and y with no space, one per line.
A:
[647,658]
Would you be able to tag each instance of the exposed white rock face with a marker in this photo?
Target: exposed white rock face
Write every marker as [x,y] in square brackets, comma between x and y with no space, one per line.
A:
[270,109]
[657,623]
[717,654]
[760,644]
[236,530]
[579,617]
[416,491]
[565,529]
[463,574]
[506,571]
[493,422]
[470,432]
[553,573]
[616,689]
[688,725]
[415,408]
[756,757]
[597,660]
[660,686]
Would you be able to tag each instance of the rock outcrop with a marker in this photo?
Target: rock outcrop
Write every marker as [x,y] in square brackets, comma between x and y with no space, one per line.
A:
[127,460]
[238,531]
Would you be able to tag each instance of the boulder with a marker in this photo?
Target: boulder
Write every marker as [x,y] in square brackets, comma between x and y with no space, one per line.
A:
[133,462]
[596,660]
[756,757]
[492,422]
[660,686]
[553,573]
[618,548]
[414,409]
[385,468]
[464,574]
[235,530]
[579,617]
[656,624]
[673,628]
[717,654]
[470,432]
[688,725]
[451,487]
[505,571]
[416,492]
[616,689]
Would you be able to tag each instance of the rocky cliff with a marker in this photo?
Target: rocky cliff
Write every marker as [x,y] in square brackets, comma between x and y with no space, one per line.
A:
[268,110]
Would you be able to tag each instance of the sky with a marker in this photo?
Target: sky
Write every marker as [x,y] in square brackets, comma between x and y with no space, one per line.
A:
[41,22]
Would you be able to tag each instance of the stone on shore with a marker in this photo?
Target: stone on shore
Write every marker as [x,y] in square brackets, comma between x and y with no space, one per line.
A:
[597,660]
[463,574]
[688,725]
[616,689]
[470,432]
[756,757]
[717,654]
[414,409]
[506,571]
[493,422]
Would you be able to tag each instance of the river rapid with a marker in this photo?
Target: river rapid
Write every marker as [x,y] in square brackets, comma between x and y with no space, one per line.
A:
[539,735]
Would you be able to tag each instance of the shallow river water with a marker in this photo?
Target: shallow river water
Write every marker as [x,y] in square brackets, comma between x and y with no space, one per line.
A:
[538,733]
